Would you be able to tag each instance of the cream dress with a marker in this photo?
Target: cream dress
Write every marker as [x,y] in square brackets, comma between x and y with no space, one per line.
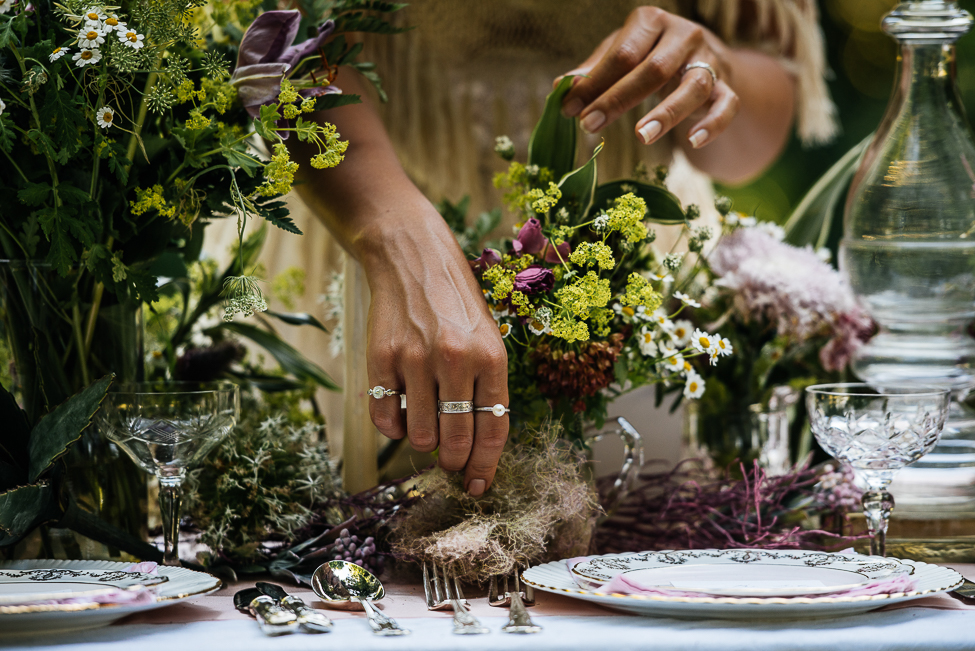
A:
[472,70]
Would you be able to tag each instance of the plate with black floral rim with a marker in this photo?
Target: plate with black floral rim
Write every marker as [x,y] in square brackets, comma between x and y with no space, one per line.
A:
[743,572]
[25,586]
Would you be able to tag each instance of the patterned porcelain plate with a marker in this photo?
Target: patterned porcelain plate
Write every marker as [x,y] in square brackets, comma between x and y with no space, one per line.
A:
[744,573]
[178,584]
[29,586]
[929,579]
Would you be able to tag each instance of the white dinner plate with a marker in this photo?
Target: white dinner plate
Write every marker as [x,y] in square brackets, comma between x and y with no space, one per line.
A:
[24,586]
[179,584]
[554,577]
[743,573]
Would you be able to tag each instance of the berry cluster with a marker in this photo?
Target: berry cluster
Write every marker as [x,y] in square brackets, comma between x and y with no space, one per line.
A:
[361,552]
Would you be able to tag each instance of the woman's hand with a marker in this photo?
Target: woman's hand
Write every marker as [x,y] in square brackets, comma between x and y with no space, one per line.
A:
[432,337]
[647,54]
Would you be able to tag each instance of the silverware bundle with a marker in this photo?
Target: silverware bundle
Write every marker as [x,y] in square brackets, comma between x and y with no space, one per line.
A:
[279,613]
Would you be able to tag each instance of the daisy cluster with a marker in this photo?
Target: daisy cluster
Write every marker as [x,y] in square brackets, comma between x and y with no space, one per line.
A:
[97,27]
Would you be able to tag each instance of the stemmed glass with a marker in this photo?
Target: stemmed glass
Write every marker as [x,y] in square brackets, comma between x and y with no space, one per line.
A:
[877,431]
[166,427]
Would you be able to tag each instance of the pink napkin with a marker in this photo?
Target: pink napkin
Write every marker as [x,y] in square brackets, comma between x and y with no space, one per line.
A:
[623,584]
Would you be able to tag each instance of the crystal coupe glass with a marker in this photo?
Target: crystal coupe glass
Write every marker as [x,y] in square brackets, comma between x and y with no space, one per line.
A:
[877,431]
[166,427]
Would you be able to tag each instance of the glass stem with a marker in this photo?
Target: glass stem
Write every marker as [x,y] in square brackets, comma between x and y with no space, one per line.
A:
[877,505]
[170,496]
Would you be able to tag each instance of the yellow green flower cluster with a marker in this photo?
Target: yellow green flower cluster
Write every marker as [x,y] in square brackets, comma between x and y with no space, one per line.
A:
[589,291]
[519,182]
[626,216]
[151,199]
[334,149]
[640,292]
[502,280]
[279,174]
[545,200]
[588,254]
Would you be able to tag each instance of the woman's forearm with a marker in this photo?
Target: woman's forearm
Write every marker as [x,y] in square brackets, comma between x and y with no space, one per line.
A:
[760,130]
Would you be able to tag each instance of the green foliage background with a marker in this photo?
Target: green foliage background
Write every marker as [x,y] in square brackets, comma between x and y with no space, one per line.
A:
[862,59]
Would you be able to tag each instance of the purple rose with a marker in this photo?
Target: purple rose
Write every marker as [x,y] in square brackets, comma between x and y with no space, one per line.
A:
[534,280]
[489,258]
[531,241]
[267,53]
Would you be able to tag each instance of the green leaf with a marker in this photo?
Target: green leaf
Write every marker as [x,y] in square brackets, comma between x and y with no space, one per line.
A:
[333,100]
[62,112]
[242,160]
[277,213]
[25,508]
[289,358]
[14,436]
[298,319]
[578,188]
[812,220]
[553,142]
[662,206]
[34,194]
[61,428]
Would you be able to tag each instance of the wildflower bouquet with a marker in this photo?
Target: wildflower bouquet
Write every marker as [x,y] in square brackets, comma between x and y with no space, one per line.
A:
[581,297]
[790,318]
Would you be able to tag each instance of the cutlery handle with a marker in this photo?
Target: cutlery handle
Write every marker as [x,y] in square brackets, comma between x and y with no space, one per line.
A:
[464,622]
[311,620]
[519,621]
[272,617]
[380,624]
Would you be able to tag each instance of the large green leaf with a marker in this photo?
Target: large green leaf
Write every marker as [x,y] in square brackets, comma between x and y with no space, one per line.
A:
[662,206]
[22,509]
[298,319]
[553,142]
[57,431]
[14,436]
[813,219]
[287,356]
[578,188]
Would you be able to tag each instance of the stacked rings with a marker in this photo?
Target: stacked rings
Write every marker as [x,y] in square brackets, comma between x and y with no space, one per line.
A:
[443,406]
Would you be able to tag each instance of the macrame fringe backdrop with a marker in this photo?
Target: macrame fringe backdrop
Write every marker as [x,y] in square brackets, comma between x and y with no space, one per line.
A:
[798,40]
[539,508]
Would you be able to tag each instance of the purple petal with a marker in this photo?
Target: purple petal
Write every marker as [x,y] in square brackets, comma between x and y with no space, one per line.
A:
[268,37]
[530,239]
[563,250]
[296,53]
[258,84]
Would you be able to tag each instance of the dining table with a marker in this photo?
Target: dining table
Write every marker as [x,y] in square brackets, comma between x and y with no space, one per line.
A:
[211,623]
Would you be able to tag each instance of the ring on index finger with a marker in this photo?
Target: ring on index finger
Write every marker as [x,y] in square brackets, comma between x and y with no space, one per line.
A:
[703,66]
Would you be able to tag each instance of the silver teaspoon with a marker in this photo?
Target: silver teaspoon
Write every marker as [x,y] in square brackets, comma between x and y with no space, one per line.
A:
[342,581]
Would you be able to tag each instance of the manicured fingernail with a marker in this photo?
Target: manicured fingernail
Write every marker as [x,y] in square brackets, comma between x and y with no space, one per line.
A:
[592,122]
[650,130]
[476,487]
[573,107]
[698,138]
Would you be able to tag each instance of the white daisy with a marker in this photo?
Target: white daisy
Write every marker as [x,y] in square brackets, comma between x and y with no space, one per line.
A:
[664,278]
[505,329]
[6,5]
[723,346]
[91,37]
[703,341]
[674,361]
[648,347]
[660,318]
[113,24]
[713,356]
[693,386]
[104,116]
[58,53]
[94,15]
[686,300]
[681,333]
[132,39]
[747,221]
[86,58]
[3,107]
[731,219]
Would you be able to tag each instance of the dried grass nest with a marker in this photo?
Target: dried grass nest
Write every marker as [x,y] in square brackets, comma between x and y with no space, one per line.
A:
[540,507]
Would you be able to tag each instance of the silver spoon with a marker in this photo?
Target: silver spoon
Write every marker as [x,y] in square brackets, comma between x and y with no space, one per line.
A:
[342,581]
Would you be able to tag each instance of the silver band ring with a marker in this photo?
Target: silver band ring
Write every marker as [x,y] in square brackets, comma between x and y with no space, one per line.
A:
[498,410]
[456,407]
[379,391]
[703,66]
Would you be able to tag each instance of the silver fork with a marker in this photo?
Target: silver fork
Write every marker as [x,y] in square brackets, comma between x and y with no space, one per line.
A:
[519,621]
[443,593]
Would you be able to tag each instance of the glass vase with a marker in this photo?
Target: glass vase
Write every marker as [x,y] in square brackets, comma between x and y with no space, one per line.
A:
[44,322]
[908,245]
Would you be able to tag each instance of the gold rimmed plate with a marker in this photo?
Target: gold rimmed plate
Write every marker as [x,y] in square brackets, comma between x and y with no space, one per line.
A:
[174,584]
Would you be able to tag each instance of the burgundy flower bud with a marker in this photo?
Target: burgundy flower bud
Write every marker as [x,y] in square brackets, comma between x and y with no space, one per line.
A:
[489,258]
[530,239]
[534,280]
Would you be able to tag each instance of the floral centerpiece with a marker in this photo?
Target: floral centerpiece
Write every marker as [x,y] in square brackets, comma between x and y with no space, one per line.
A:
[581,296]
[125,129]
